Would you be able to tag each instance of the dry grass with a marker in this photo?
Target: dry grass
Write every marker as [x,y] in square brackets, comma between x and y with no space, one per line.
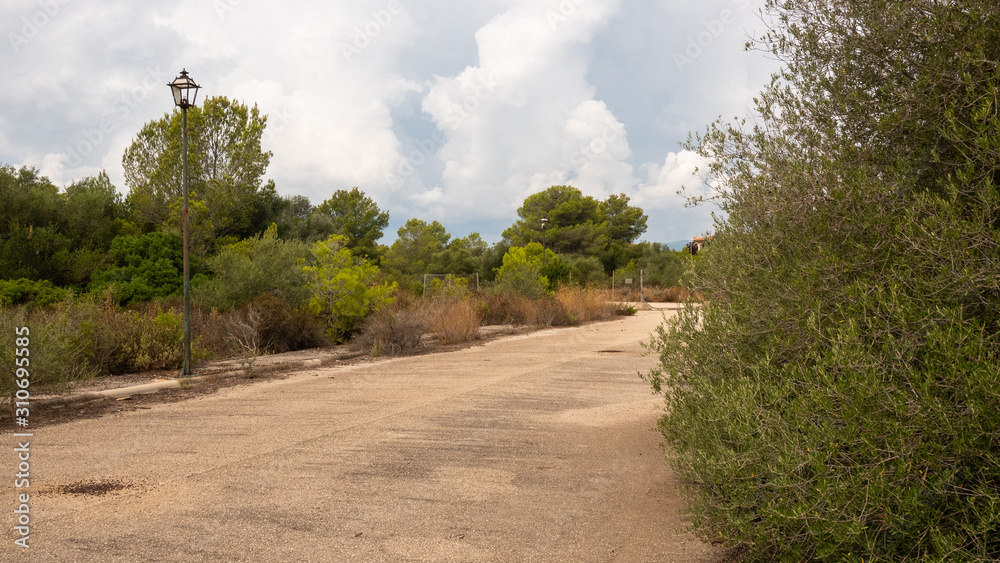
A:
[506,309]
[394,330]
[673,294]
[570,305]
[279,328]
[454,321]
[585,305]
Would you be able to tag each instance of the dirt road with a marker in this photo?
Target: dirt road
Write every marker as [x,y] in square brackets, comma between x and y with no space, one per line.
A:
[529,448]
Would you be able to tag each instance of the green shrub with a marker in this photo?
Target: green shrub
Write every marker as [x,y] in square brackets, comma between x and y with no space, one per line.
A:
[626,310]
[521,272]
[54,355]
[145,268]
[837,396]
[583,270]
[80,338]
[344,289]
[255,267]
[449,287]
[115,341]
[39,293]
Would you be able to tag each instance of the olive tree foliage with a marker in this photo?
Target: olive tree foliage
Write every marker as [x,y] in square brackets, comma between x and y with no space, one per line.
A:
[226,165]
[837,396]
[259,265]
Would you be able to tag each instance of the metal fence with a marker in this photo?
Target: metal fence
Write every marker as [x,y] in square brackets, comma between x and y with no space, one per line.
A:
[626,285]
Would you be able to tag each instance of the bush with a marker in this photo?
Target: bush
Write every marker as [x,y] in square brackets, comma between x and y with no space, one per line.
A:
[837,397]
[673,294]
[521,272]
[283,328]
[40,293]
[583,270]
[55,356]
[453,321]
[549,311]
[393,330]
[255,267]
[145,268]
[499,308]
[80,338]
[584,305]
[344,289]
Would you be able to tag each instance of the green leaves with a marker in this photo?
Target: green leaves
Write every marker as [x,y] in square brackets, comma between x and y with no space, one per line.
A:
[254,267]
[574,222]
[344,289]
[145,268]
[521,272]
[59,237]
[580,225]
[358,219]
[226,166]
[829,401]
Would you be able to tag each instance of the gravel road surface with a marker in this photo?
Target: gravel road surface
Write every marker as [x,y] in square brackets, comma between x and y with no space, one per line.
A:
[535,447]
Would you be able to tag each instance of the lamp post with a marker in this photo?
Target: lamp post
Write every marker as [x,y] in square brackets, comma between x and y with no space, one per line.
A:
[545,221]
[185,93]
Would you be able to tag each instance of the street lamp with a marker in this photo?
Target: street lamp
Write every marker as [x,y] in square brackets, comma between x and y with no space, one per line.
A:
[185,93]
[545,221]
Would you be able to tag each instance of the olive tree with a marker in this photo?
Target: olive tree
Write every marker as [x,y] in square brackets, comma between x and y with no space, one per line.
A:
[836,397]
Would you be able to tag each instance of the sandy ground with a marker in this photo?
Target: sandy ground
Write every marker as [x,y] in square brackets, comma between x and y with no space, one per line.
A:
[534,447]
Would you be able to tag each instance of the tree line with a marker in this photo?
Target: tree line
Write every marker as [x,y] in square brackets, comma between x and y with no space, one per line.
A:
[90,238]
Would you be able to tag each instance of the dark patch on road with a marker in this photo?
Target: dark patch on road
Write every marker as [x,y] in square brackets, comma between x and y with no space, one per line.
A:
[94,488]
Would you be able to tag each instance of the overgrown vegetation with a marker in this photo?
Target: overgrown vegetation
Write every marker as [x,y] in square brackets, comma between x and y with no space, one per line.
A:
[837,397]
[345,289]
[97,276]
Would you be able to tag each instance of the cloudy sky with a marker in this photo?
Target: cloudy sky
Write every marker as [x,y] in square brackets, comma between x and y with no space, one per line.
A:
[447,110]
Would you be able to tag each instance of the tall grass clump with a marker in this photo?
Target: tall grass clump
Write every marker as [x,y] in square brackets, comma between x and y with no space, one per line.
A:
[585,304]
[673,294]
[453,321]
[82,337]
[394,330]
